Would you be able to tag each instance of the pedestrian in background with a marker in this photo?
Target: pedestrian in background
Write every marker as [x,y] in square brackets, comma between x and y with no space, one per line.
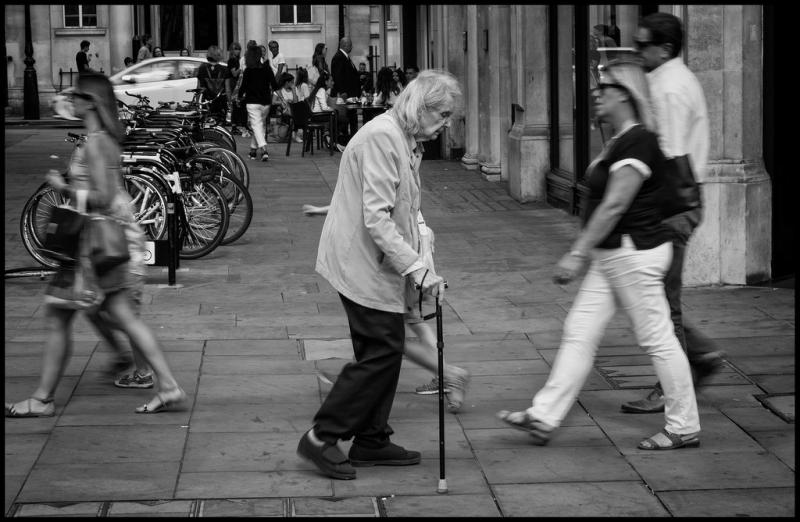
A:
[157,52]
[145,52]
[682,126]
[216,81]
[318,63]
[94,170]
[185,52]
[256,95]
[276,59]
[346,87]
[630,250]
[238,111]
[83,58]
[411,72]
[367,254]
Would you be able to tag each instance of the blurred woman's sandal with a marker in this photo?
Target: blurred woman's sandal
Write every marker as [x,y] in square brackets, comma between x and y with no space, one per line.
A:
[664,440]
[162,401]
[32,407]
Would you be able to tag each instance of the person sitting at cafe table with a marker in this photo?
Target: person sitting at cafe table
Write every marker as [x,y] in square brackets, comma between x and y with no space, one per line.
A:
[387,89]
[321,100]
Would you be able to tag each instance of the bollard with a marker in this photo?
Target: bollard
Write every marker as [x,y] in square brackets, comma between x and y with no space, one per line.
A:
[172,234]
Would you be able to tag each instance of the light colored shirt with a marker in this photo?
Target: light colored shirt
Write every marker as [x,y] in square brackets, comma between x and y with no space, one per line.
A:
[275,61]
[321,101]
[313,74]
[303,91]
[681,114]
[371,235]
[144,54]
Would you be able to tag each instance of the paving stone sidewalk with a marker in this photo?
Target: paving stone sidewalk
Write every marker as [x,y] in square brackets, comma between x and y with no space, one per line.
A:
[248,328]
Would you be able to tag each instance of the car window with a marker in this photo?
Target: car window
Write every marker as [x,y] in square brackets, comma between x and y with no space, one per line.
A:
[188,69]
[154,72]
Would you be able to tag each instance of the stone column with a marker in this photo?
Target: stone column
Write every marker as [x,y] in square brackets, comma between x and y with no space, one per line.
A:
[120,34]
[733,244]
[470,158]
[495,98]
[529,140]
[454,27]
[255,24]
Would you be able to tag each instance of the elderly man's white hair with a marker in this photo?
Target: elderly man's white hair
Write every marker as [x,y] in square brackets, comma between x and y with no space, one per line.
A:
[432,90]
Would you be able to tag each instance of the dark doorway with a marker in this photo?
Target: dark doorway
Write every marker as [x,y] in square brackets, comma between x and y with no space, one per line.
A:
[783,195]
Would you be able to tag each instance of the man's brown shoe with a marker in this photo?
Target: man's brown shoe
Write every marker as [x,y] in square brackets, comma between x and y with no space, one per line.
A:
[328,458]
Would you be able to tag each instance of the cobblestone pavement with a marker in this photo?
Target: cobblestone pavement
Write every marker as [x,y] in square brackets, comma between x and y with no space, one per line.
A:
[248,327]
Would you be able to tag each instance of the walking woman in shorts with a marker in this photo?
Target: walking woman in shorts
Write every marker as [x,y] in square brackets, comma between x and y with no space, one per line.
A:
[94,168]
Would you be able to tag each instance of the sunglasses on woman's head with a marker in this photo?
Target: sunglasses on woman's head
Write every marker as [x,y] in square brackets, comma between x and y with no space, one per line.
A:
[81,95]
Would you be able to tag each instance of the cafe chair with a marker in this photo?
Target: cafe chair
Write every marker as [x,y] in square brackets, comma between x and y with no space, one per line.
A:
[312,124]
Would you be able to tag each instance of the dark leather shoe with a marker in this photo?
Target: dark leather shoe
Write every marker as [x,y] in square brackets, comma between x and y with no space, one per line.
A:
[705,366]
[653,403]
[328,458]
[389,455]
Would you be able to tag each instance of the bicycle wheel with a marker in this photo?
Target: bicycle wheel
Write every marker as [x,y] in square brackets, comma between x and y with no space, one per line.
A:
[34,220]
[240,207]
[148,203]
[203,219]
[237,197]
[220,136]
[231,160]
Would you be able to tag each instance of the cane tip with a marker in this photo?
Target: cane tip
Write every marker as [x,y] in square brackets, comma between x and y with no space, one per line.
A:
[442,488]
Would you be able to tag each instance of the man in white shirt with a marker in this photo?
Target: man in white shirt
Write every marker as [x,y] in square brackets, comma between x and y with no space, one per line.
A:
[276,60]
[682,123]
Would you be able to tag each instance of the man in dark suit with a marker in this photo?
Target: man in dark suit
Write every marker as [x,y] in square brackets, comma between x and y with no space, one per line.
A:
[346,84]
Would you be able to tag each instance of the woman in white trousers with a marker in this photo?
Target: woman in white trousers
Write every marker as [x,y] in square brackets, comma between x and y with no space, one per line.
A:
[630,251]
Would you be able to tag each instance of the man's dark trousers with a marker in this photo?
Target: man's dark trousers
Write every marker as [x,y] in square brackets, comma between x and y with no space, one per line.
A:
[693,342]
[361,399]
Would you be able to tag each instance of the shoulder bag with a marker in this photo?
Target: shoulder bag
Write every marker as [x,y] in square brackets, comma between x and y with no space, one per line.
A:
[64,229]
[681,191]
[108,245]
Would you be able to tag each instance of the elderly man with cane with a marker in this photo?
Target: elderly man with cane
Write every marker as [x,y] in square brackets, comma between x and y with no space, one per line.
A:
[369,252]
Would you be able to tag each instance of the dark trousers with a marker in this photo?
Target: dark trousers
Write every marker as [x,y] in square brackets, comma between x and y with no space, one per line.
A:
[239,114]
[347,123]
[695,344]
[361,399]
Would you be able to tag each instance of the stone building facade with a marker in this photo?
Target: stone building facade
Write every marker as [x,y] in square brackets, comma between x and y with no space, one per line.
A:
[527,71]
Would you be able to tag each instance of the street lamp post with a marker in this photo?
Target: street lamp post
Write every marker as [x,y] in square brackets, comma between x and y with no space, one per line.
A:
[30,85]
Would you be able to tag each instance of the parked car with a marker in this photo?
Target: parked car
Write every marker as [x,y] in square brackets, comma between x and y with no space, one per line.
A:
[160,79]
[163,79]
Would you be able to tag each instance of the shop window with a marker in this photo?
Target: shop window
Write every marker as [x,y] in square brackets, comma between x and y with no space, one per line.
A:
[80,15]
[295,14]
